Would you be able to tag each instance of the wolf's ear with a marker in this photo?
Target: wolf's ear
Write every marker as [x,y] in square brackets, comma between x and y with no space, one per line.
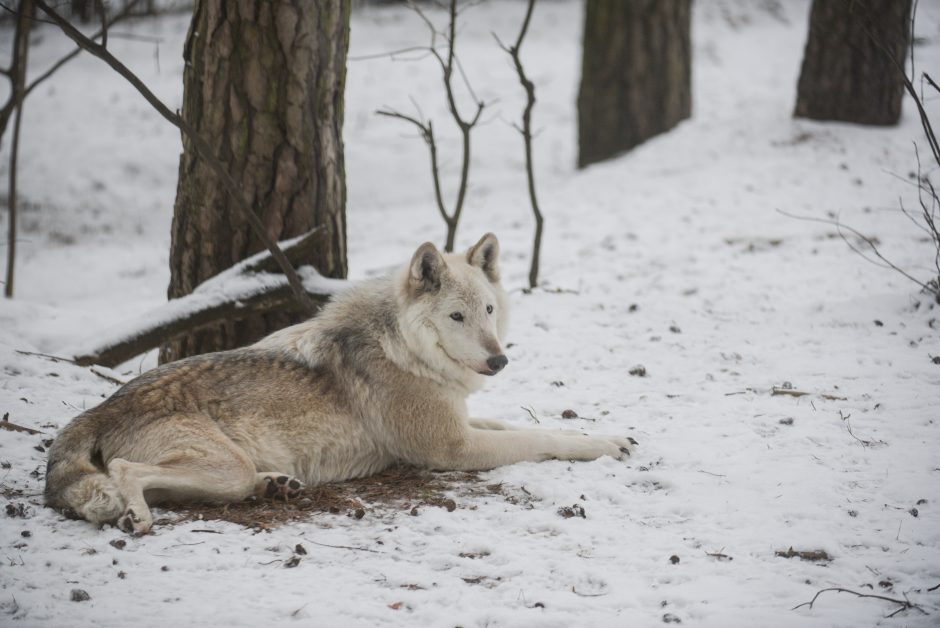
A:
[484,255]
[427,268]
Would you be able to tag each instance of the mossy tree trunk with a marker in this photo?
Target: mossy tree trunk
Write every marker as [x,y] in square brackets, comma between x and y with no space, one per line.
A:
[848,73]
[635,75]
[263,84]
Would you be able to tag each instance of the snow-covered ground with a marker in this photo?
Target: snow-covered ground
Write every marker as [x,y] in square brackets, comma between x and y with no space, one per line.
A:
[673,257]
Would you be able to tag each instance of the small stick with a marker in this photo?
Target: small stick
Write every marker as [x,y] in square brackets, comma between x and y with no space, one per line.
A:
[905,604]
[347,547]
[576,592]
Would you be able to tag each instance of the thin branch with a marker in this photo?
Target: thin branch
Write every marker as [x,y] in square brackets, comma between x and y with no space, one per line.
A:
[526,131]
[54,358]
[58,64]
[905,604]
[20,55]
[427,134]
[447,62]
[346,547]
[392,54]
[202,148]
[19,13]
[104,22]
[839,226]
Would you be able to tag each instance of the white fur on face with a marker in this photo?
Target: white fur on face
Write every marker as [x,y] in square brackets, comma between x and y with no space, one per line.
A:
[448,350]
[466,315]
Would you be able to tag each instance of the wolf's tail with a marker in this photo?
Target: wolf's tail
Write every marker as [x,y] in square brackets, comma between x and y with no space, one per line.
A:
[76,479]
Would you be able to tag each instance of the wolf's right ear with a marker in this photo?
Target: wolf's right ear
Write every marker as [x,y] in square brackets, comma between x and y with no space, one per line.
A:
[427,268]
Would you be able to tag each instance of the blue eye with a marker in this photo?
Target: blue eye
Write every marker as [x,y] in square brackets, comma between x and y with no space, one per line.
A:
[489,309]
[457,316]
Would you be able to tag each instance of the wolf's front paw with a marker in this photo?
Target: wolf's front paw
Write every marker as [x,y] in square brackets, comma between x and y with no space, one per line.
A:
[616,446]
[134,524]
[279,486]
[626,446]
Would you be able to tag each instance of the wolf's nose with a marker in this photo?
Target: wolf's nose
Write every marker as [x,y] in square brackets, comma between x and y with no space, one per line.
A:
[497,362]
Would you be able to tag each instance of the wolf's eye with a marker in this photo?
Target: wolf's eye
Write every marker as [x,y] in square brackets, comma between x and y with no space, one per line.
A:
[457,316]
[489,309]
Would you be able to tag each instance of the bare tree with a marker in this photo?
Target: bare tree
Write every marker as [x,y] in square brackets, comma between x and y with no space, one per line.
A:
[448,63]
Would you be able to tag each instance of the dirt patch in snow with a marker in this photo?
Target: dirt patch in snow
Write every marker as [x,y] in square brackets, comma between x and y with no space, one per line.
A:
[400,489]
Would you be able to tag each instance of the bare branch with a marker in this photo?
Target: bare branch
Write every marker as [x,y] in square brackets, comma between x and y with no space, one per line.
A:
[874,248]
[526,131]
[104,22]
[392,54]
[447,61]
[427,134]
[58,64]
[905,604]
[204,150]
[17,94]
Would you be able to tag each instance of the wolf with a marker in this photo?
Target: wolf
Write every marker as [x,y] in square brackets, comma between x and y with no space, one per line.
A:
[379,377]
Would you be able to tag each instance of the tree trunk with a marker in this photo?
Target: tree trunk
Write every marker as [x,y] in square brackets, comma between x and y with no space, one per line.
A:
[263,85]
[635,74]
[850,67]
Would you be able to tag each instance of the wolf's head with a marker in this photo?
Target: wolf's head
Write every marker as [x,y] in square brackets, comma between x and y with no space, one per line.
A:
[455,309]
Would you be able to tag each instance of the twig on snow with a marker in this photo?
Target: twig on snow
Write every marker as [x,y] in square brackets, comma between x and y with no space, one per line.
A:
[720,555]
[531,413]
[905,603]
[346,547]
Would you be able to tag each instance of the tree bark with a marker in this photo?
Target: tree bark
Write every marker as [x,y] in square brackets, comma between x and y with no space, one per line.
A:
[851,63]
[263,84]
[635,74]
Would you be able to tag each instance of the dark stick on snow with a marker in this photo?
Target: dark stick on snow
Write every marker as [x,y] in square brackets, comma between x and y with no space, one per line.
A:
[203,148]
[526,132]
[905,604]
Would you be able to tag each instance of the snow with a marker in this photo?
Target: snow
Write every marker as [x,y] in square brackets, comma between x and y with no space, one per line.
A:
[732,299]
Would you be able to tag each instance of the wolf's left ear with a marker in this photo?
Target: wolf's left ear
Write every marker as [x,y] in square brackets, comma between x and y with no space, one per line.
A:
[484,255]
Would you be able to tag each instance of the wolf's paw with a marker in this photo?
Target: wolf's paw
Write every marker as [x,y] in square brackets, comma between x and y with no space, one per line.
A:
[132,523]
[626,445]
[617,447]
[279,486]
